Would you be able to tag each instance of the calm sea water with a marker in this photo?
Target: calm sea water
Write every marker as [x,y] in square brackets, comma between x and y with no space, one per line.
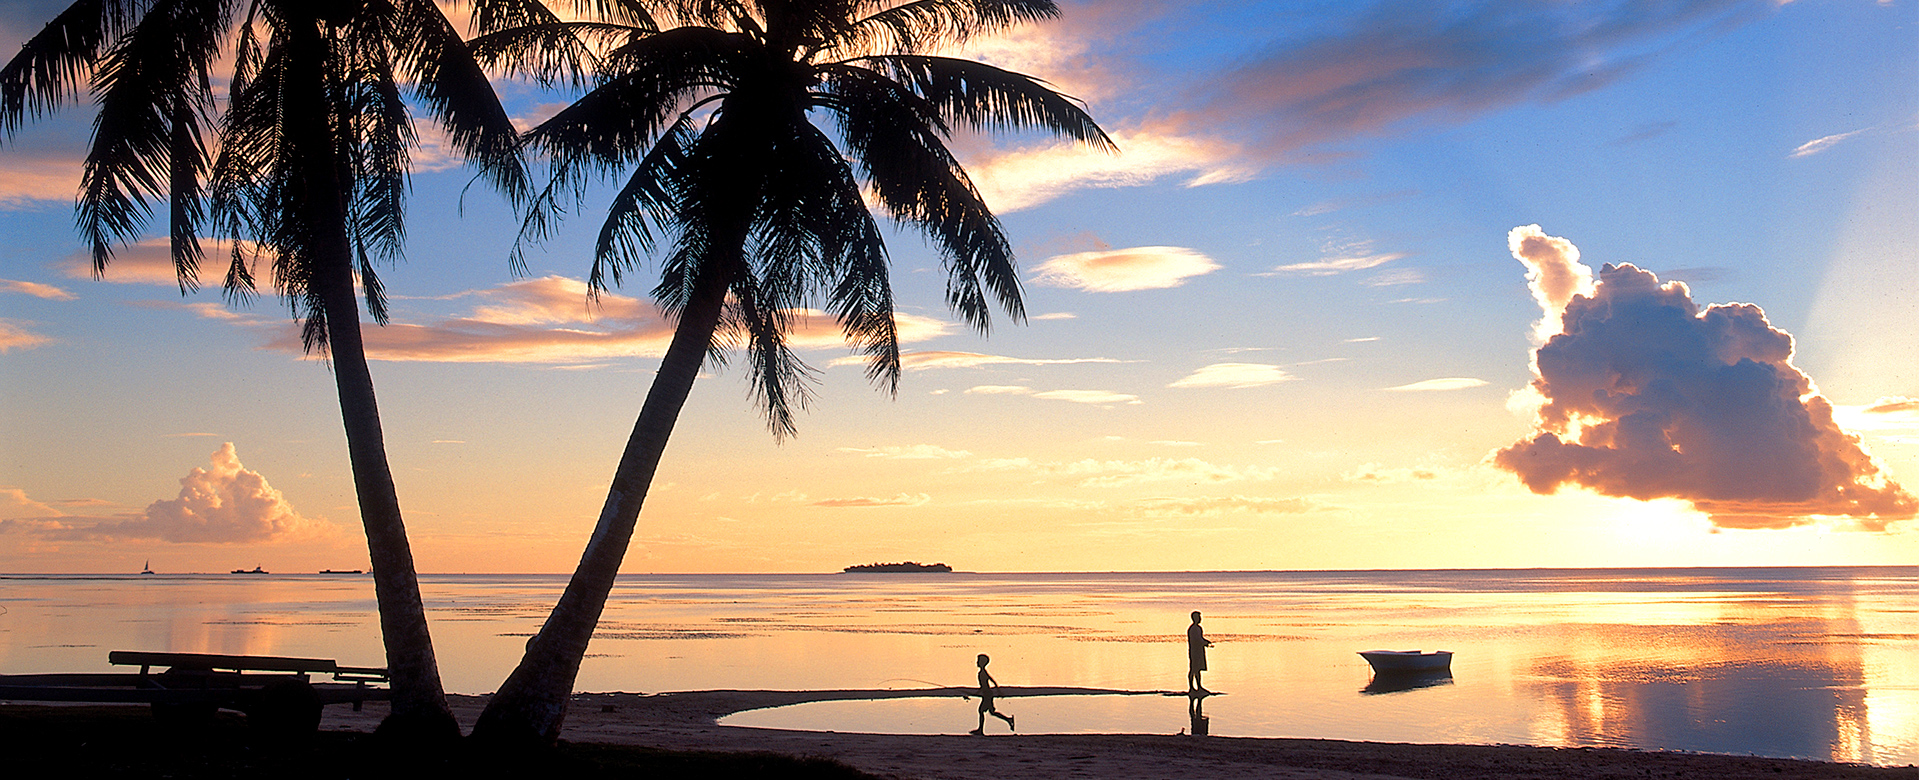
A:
[1804,662]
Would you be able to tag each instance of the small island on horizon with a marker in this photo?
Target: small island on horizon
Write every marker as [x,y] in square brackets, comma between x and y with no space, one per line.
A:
[906,567]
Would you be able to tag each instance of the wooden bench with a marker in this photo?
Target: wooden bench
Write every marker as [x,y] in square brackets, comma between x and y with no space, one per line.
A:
[277,693]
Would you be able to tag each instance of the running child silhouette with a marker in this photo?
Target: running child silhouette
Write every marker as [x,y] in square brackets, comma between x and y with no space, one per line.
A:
[987,686]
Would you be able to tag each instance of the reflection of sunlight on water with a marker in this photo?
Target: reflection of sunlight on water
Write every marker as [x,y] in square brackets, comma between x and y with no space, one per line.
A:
[1815,662]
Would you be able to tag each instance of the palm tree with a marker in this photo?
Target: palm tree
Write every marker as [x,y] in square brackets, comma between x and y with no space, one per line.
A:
[724,117]
[309,174]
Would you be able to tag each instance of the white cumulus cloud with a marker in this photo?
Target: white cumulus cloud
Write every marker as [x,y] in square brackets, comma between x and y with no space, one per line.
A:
[1640,393]
[223,502]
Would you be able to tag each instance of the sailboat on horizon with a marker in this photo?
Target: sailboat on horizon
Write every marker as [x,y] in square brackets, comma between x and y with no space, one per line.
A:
[147,568]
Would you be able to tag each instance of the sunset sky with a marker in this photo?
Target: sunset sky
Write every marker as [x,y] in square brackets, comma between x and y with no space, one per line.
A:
[1291,325]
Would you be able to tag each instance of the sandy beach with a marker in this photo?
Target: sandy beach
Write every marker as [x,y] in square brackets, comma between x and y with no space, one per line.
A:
[687,720]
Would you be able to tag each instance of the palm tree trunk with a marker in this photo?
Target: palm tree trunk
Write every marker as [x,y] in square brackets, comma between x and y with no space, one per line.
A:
[530,706]
[419,702]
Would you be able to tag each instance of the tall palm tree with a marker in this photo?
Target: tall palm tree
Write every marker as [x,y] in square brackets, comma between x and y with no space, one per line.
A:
[727,118]
[307,172]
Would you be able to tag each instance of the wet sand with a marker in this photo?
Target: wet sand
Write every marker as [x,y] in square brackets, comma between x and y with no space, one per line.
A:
[686,721]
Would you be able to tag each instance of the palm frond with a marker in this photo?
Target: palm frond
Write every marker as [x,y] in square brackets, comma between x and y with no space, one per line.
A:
[611,126]
[814,235]
[924,24]
[553,52]
[651,195]
[780,382]
[54,63]
[151,83]
[626,13]
[379,134]
[187,162]
[984,97]
[892,134]
[455,88]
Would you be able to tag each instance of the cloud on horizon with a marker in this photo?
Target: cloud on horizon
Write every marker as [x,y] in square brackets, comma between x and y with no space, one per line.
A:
[223,503]
[1638,393]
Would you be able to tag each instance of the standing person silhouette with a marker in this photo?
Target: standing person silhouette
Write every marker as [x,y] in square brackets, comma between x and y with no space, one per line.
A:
[1197,645]
[987,686]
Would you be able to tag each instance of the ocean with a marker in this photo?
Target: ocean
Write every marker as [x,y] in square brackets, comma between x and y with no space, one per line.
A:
[1792,662]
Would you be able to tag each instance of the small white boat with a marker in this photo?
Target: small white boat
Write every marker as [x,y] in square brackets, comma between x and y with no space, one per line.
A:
[1408,660]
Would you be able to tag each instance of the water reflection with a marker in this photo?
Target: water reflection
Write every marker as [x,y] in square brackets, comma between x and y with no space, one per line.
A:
[1196,714]
[1803,662]
[1396,682]
[1720,689]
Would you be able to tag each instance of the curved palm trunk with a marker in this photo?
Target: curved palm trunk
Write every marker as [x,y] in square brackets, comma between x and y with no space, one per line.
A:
[419,701]
[530,706]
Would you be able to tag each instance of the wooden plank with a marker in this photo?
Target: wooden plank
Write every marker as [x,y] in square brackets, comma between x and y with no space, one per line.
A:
[11,689]
[120,695]
[104,680]
[209,661]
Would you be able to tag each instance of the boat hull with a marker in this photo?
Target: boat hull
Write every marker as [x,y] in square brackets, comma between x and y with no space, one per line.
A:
[1408,660]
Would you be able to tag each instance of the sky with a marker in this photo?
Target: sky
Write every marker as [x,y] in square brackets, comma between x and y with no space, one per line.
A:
[1368,285]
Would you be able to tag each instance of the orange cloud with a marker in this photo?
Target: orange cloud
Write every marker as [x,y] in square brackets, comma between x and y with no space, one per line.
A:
[150,261]
[32,179]
[35,289]
[15,336]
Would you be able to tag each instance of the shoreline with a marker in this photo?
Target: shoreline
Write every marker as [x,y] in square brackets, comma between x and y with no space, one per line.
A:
[686,720]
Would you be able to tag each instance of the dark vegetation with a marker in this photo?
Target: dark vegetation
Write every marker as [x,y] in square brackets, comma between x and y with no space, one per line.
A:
[126,741]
